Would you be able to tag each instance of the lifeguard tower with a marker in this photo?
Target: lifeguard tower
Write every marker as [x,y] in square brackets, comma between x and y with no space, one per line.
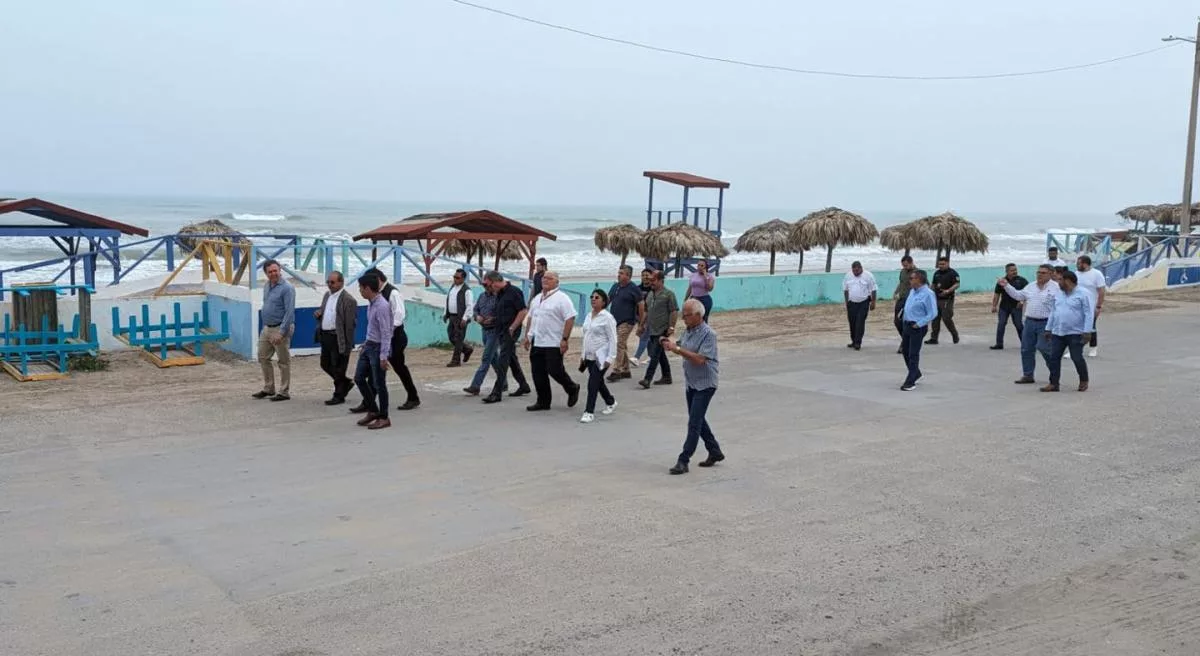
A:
[688,213]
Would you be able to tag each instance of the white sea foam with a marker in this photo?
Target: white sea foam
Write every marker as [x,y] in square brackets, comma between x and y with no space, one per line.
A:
[257,217]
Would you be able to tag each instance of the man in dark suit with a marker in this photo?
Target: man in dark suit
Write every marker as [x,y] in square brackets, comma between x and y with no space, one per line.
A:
[336,317]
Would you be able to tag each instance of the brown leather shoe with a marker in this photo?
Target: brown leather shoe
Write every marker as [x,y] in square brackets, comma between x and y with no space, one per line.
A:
[1083,386]
[367,419]
[382,422]
[1025,380]
[1050,388]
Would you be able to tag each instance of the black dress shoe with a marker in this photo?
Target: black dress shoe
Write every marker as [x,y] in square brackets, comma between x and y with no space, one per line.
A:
[712,460]
[663,381]
[472,390]
[850,345]
[521,391]
[858,347]
[262,395]
[537,407]
[679,468]
[281,397]
[335,401]
[359,409]
[573,396]
[408,405]
[467,354]
[996,347]
[492,398]
[931,341]
[954,338]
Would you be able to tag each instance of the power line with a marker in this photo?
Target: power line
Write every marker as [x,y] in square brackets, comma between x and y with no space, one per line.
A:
[803,71]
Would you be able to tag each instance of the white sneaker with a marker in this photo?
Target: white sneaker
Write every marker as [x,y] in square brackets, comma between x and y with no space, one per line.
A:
[634,362]
[587,418]
[1094,352]
[609,409]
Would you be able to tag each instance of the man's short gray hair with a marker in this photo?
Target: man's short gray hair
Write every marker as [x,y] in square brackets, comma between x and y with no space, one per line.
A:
[494,276]
[693,305]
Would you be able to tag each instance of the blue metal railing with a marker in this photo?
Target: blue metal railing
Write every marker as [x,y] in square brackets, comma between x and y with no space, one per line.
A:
[1147,257]
[1098,245]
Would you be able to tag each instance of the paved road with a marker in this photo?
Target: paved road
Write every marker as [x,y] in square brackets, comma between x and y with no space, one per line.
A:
[970,517]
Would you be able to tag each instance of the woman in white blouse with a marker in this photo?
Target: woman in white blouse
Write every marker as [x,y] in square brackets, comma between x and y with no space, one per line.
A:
[599,350]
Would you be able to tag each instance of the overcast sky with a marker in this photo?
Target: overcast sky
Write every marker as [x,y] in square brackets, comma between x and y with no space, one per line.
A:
[428,100]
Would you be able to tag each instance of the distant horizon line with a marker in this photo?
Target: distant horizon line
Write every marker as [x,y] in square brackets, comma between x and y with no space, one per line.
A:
[469,205]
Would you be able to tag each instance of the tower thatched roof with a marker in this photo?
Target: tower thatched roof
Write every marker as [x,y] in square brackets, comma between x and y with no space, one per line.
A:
[680,239]
[945,231]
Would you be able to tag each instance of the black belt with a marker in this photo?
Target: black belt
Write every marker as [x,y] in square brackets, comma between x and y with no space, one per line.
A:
[334,331]
[274,325]
[1037,318]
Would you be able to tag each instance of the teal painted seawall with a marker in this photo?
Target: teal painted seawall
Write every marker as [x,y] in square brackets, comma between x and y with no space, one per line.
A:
[763,291]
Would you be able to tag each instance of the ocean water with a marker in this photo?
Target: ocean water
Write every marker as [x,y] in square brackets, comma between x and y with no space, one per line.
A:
[1015,237]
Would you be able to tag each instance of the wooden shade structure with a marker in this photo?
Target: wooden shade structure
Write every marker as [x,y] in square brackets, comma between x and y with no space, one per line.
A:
[620,239]
[831,227]
[434,233]
[774,236]
[944,233]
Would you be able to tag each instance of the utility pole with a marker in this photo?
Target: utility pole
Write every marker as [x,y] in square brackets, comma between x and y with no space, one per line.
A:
[1185,211]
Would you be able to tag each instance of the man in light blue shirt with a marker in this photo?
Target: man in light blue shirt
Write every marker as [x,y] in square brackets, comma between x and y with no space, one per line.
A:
[1070,324]
[278,319]
[920,308]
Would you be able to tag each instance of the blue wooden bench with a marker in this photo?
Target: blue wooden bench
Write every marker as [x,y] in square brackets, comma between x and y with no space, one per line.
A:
[30,355]
[171,344]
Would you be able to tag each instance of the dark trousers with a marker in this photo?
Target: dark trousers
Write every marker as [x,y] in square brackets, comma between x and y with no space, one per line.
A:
[897,314]
[706,301]
[399,343]
[856,315]
[1003,316]
[597,387]
[658,358]
[945,313]
[546,362]
[456,333]
[1060,344]
[697,426]
[506,360]
[372,380]
[335,363]
[910,348]
[1095,321]
[1033,339]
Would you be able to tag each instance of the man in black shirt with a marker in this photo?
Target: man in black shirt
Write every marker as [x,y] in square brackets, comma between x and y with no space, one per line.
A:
[1006,307]
[539,270]
[509,314]
[945,283]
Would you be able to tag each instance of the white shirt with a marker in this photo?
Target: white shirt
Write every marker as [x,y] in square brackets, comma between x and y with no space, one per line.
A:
[1057,263]
[600,337]
[1091,281]
[396,300]
[329,314]
[1039,303]
[548,315]
[860,287]
[452,302]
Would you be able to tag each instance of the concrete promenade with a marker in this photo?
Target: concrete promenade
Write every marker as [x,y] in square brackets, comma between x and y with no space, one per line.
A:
[972,516]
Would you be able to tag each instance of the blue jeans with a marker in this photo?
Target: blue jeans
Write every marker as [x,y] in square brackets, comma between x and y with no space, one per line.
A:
[910,348]
[372,380]
[1059,344]
[697,427]
[488,359]
[1032,339]
[706,301]
[1003,315]
[643,342]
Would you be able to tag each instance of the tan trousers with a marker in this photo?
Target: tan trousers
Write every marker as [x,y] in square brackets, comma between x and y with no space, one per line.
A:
[621,365]
[265,350]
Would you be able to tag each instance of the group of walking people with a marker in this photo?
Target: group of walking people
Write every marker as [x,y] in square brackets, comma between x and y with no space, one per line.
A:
[542,327]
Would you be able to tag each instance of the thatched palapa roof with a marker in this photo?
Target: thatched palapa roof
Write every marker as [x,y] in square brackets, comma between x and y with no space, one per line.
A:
[893,238]
[774,236]
[682,240]
[468,248]
[620,239]
[1162,214]
[831,227]
[208,227]
[944,232]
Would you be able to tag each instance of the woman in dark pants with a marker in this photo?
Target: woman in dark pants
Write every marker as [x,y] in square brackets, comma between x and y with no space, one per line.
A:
[700,286]
[599,350]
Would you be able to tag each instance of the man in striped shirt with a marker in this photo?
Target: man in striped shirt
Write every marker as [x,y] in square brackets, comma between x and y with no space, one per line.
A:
[698,349]
[1039,304]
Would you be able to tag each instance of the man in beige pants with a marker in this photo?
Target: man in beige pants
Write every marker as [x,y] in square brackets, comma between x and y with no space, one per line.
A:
[278,318]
